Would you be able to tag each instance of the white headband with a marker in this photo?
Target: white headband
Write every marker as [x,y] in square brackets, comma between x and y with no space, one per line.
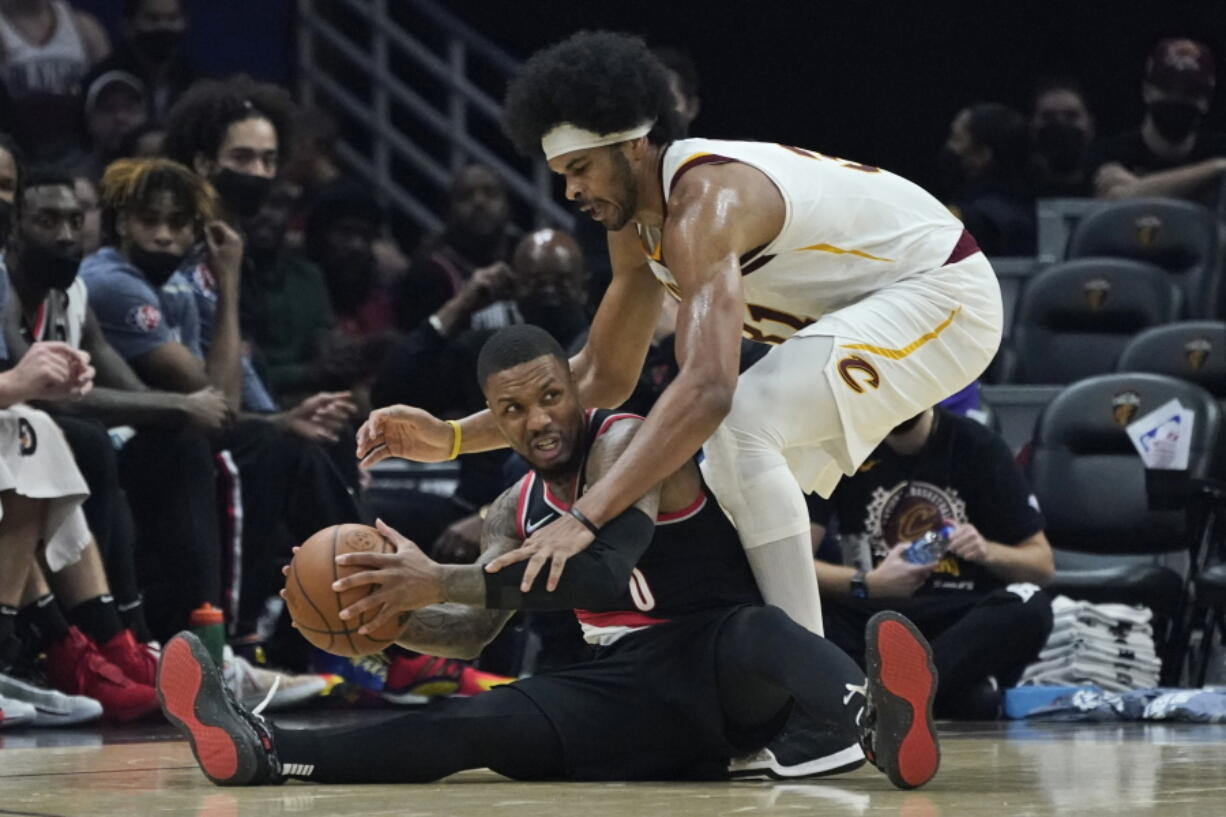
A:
[565,138]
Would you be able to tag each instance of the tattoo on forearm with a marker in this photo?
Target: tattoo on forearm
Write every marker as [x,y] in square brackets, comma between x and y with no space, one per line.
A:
[464,584]
[442,628]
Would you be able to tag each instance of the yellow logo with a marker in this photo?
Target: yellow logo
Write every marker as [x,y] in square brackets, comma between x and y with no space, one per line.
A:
[1124,407]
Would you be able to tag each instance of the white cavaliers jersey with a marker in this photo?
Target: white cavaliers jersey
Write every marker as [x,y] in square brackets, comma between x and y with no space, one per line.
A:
[849,230]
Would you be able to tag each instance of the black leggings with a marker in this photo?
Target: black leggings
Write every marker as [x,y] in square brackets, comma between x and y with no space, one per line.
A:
[764,661]
[501,729]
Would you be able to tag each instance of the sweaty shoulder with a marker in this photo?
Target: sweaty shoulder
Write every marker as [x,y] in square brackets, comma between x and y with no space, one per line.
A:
[731,198]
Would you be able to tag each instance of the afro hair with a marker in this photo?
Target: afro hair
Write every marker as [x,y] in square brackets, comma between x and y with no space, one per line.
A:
[598,80]
[197,123]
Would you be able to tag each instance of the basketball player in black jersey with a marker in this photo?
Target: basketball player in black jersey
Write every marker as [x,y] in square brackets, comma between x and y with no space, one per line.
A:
[691,669]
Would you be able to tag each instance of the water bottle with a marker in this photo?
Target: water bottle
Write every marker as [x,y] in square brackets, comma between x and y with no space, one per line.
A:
[209,625]
[929,548]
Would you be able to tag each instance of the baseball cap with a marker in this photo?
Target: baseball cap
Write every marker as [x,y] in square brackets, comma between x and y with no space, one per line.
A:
[112,80]
[1180,65]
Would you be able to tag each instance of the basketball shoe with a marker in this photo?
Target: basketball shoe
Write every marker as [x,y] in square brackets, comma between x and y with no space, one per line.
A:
[75,666]
[897,731]
[415,679]
[51,707]
[138,661]
[232,745]
[251,684]
[15,713]
[802,750]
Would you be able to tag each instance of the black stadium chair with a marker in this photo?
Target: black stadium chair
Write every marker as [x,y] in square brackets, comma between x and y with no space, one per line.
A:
[1075,318]
[1190,350]
[1098,498]
[1178,236]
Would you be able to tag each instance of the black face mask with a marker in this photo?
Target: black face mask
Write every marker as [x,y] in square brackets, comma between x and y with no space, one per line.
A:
[1174,119]
[1062,145]
[54,266]
[157,266]
[6,222]
[158,45]
[242,193]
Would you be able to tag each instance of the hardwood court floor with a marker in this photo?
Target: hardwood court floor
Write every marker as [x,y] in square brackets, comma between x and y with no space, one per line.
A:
[989,769]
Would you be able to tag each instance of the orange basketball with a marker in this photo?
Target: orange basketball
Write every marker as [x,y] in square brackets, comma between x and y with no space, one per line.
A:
[316,607]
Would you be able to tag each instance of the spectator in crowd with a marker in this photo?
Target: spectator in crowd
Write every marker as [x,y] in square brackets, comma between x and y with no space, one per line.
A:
[475,238]
[313,163]
[152,50]
[46,49]
[153,212]
[983,165]
[166,469]
[1061,130]
[146,142]
[115,107]
[341,232]
[10,178]
[91,225]
[941,469]
[1171,153]
[230,132]
[286,306]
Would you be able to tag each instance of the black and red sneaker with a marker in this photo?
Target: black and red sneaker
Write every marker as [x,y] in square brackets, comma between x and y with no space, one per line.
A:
[899,737]
[232,745]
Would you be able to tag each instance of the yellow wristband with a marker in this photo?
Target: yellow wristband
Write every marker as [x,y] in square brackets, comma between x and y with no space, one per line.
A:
[455,443]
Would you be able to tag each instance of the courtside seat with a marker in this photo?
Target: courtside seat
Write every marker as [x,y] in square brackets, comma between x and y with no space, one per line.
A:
[1013,411]
[1099,500]
[1075,318]
[1190,350]
[1178,236]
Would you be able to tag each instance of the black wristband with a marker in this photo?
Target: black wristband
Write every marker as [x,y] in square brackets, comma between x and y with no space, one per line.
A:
[583,520]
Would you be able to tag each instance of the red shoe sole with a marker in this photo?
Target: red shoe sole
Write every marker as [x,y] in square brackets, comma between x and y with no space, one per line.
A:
[179,681]
[907,675]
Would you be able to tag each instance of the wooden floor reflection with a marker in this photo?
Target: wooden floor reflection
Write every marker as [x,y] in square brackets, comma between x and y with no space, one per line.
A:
[991,769]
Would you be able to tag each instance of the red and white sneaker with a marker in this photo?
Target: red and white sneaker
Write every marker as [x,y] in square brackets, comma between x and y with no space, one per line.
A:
[898,733]
[415,679]
[138,661]
[75,666]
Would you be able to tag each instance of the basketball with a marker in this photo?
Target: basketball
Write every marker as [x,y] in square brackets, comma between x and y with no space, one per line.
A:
[315,606]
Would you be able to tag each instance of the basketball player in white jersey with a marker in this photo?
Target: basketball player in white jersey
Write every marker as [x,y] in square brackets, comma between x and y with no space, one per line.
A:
[878,302]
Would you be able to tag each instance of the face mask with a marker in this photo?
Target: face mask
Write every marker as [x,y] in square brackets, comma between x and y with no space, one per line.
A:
[1062,145]
[159,45]
[56,267]
[157,266]
[1174,119]
[242,193]
[6,222]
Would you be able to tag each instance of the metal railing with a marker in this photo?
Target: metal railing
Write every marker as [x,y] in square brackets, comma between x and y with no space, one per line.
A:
[374,63]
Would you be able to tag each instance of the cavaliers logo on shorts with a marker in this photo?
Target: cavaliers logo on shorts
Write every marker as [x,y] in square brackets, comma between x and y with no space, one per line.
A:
[26,437]
[858,373]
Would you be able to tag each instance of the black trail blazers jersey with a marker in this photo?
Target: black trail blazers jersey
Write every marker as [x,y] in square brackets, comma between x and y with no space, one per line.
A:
[694,563]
